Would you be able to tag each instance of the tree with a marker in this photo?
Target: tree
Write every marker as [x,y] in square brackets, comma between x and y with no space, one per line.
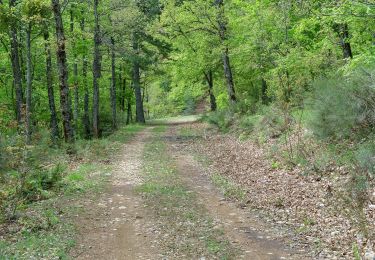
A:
[113,84]
[96,71]
[140,116]
[49,81]
[63,73]
[86,117]
[14,49]
[222,31]
[75,69]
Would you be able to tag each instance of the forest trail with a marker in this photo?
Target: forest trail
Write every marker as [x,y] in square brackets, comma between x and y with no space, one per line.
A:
[114,225]
[123,223]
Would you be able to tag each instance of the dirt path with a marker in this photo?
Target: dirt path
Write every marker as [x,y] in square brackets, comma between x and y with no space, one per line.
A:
[239,225]
[115,225]
[118,223]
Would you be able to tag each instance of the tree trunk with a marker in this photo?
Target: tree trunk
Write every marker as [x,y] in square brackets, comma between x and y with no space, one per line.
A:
[229,77]
[96,73]
[344,41]
[210,82]
[221,21]
[140,117]
[123,89]
[63,73]
[28,84]
[129,113]
[264,92]
[86,116]
[113,85]
[17,76]
[51,96]
[75,75]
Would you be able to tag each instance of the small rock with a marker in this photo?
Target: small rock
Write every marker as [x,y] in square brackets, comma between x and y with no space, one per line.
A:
[370,255]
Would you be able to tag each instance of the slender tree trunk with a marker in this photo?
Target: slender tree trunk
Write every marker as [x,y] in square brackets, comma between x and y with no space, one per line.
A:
[123,88]
[264,92]
[28,84]
[21,41]
[63,73]
[129,113]
[96,72]
[51,96]
[343,32]
[113,85]
[75,74]
[229,77]
[86,116]
[140,117]
[124,82]
[210,82]
[17,76]
[221,21]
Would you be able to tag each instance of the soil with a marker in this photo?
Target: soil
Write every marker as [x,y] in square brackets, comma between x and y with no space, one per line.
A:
[117,224]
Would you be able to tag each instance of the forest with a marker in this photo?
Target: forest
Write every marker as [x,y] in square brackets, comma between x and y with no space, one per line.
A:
[275,97]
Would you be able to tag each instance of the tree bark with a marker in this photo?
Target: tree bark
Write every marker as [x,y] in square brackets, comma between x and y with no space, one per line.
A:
[51,96]
[344,41]
[229,76]
[113,85]
[63,73]
[210,82]
[123,89]
[221,21]
[140,117]
[96,73]
[129,113]
[86,116]
[264,96]
[75,74]
[16,68]
[28,85]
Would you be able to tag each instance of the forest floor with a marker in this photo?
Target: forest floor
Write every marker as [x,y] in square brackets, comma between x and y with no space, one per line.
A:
[162,203]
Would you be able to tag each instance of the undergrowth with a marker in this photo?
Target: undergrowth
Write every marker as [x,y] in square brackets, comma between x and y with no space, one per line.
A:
[37,181]
[330,135]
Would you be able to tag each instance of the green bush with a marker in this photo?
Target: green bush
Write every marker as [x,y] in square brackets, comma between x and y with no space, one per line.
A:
[223,119]
[343,107]
[274,122]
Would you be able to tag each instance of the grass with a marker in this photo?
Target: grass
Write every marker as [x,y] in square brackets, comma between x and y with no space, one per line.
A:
[229,189]
[43,228]
[190,132]
[175,120]
[176,207]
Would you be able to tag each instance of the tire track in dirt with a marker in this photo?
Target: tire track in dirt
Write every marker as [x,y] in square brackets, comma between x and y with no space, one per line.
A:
[115,224]
[239,226]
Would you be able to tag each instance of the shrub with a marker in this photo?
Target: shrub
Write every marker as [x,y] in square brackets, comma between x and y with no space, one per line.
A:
[274,122]
[343,107]
[223,119]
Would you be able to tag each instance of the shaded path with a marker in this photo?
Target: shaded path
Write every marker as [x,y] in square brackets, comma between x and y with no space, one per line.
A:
[240,226]
[115,225]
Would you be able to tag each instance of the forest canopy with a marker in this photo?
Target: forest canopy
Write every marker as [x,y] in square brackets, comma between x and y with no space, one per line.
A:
[81,67]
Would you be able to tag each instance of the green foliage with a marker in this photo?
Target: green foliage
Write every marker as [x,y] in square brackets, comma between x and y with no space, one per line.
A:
[230,190]
[223,119]
[343,107]
[35,180]
[249,123]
